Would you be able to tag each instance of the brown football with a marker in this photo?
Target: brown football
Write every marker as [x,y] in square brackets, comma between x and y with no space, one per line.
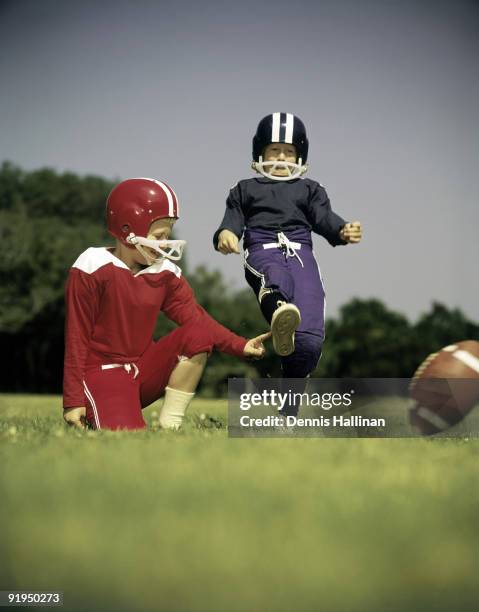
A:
[445,387]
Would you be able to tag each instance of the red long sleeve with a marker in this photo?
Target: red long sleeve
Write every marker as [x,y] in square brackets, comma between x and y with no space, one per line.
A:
[82,300]
[181,307]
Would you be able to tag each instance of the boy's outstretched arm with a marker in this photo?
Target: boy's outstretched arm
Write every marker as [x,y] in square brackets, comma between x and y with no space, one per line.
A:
[227,236]
[323,219]
[181,307]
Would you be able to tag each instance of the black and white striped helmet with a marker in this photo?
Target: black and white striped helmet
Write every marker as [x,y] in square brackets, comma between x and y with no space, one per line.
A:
[285,128]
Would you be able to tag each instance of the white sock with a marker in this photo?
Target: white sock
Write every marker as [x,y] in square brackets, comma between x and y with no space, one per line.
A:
[174,408]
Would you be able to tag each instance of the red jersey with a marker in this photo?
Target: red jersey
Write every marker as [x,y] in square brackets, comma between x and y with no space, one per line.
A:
[111,314]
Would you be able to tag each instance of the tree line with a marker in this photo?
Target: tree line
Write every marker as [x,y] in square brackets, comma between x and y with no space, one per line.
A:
[47,219]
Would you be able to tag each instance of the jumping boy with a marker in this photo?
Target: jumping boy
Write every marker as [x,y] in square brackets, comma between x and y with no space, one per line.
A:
[277,212]
[112,366]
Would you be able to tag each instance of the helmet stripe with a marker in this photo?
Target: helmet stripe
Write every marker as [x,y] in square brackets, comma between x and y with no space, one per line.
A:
[177,205]
[166,189]
[173,204]
[276,124]
[289,128]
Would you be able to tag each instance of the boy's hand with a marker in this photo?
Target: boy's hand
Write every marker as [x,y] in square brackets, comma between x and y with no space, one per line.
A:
[254,348]
[228,242]
[351,232]
[75,417]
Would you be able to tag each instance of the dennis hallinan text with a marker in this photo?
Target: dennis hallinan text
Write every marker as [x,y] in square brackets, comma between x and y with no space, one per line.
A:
[292,421]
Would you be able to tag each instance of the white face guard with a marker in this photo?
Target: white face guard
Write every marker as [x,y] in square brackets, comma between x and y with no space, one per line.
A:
[174,248]
[294,170]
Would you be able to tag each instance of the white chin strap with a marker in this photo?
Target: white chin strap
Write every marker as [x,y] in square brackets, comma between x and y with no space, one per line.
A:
[166,249]
[294,170]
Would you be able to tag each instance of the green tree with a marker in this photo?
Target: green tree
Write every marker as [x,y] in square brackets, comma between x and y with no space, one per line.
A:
[440,327]
[368,340]
[46,221]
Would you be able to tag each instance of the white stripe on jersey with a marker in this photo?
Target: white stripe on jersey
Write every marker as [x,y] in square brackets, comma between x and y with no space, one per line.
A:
[276,124]
[289,128]
[94,258]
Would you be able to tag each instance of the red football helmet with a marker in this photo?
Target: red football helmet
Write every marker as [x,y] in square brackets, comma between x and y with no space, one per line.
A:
[134,204]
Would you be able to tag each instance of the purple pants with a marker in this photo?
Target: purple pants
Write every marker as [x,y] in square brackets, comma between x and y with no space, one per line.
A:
[298,279]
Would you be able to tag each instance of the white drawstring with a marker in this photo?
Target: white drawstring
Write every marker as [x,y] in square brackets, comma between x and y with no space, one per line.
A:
[126,366]
[284,243]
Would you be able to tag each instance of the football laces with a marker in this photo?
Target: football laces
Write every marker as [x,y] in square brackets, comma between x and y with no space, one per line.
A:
[419,372]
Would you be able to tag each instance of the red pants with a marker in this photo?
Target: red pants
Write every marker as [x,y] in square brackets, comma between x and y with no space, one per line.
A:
[116,396]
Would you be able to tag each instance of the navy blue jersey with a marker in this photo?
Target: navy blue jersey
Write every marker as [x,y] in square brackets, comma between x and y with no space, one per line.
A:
[280,206]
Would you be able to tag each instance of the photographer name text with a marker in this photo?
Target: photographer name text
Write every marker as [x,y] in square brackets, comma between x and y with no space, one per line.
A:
[293,421]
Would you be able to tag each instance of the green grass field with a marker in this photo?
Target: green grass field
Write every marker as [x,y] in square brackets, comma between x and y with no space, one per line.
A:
[195,521]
